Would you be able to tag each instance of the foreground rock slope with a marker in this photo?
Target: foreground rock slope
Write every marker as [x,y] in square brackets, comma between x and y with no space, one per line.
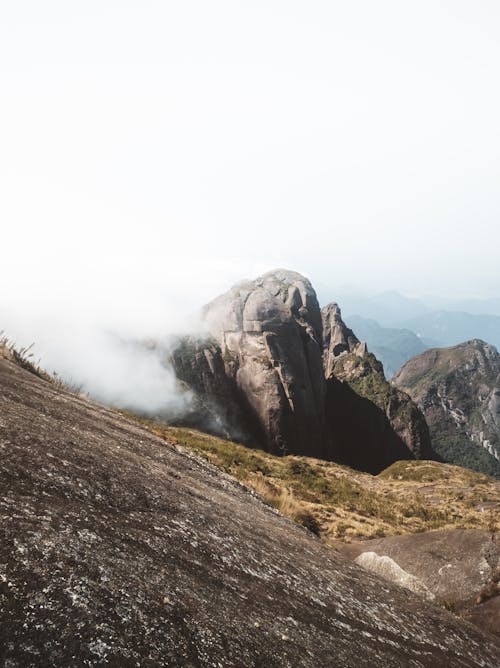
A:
[118,548]
[267,375]
[458,389]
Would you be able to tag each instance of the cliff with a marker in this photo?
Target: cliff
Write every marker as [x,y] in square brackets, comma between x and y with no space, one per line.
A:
[277,372]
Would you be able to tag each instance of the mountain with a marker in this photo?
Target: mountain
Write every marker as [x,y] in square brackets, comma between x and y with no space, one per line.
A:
[458,389]
[453,327]
[274,371]
[393,347]
[362,405]
[120,548]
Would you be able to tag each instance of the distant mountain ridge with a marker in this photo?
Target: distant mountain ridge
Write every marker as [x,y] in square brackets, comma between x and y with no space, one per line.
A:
[392,346]
[389,308]
[392,309]
[453,327]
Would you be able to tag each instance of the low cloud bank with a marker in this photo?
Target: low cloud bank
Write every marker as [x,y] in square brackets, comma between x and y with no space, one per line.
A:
[117,353]
[106,318]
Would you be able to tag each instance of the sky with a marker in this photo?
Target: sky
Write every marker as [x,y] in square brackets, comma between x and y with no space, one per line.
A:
[152,153]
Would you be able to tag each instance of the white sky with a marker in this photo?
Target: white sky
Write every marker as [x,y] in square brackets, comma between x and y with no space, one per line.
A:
[154,152]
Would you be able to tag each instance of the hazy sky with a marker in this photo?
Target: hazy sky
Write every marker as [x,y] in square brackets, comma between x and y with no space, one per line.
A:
[154,152]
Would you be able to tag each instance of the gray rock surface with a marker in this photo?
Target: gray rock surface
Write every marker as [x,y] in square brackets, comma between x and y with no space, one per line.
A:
[118,548]
[454,565]
[390,570]
[337,338]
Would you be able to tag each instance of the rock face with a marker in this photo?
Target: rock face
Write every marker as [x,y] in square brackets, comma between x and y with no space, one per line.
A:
[267,375]
[118,548]
[459,568]
[337,338]
[269,339]
[458,389]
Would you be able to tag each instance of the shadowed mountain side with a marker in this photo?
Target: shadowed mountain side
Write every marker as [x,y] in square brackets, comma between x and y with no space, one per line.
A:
[118,548]
[400,430]
[362,431]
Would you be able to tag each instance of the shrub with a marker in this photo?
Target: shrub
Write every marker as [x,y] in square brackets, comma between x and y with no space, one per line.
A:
[307,520]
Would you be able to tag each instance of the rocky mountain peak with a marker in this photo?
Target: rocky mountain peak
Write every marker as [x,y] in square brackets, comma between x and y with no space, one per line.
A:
[269,371]
[337,338]
[270,337]
[265,303]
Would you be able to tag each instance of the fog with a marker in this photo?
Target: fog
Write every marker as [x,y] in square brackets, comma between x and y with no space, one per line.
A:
[152,154]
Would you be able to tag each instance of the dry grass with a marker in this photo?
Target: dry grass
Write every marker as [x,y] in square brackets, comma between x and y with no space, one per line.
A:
[25,358]
[337,502]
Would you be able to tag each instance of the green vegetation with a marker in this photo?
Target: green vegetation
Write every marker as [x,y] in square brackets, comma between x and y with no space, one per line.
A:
[365,376]
[459,450]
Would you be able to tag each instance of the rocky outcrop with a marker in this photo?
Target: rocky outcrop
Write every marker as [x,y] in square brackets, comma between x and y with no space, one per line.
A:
[267,376]
[347,360]
[269,333]
[213,403]
[458,568]
[390,570]
[337,338]
[119,548]
[458,389]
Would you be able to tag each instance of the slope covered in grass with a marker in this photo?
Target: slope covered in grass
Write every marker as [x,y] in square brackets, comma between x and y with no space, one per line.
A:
[335,501]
